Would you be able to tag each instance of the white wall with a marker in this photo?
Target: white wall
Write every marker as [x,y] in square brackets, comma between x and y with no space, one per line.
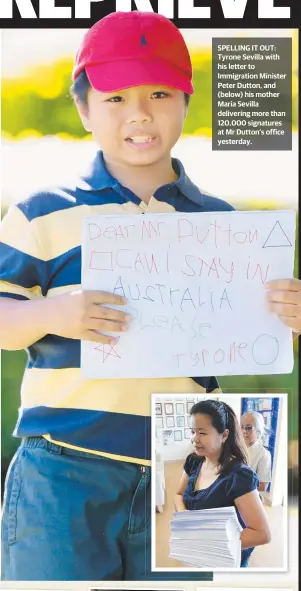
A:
[179,450]
[278,492]
[175,450]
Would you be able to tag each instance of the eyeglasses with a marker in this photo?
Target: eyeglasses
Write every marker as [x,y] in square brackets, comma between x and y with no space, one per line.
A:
[247,428]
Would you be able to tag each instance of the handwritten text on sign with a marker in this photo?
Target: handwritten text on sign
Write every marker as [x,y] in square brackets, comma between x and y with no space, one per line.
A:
[195,290]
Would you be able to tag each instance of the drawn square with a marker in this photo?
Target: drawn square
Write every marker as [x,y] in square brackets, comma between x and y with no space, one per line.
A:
[159,422]
[101,261]
[187,433]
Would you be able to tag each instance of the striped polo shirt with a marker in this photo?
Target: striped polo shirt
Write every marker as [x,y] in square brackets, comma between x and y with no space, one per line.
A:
[40,257]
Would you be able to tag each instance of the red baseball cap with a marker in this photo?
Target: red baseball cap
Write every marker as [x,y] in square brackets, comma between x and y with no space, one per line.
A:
[127,49]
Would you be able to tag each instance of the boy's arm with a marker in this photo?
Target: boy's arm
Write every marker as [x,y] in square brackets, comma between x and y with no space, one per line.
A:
[76,315]
[26,313]
[21,323]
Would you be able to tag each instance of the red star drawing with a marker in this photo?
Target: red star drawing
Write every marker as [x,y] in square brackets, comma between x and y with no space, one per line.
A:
[108,350]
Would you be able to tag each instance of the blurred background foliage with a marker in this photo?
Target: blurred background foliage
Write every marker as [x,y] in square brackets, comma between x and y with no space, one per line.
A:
[38,103]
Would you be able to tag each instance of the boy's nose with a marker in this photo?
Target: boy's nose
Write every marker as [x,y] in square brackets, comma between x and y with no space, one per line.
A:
[139,114]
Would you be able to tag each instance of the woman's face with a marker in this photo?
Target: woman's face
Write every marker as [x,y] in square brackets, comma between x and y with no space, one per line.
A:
[205,438]
[248,429]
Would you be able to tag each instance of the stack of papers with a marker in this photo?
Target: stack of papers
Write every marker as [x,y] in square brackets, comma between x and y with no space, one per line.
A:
[206,538]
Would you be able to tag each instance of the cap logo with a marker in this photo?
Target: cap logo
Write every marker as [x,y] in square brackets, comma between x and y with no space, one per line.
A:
[143,40]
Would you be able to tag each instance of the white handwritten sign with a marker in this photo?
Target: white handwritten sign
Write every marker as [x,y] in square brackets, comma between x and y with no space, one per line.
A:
[195,290]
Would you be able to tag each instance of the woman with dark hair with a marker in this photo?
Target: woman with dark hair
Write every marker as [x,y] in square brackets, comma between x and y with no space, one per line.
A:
[217,474]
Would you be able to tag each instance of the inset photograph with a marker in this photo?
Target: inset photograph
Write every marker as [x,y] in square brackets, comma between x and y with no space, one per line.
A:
[219,492]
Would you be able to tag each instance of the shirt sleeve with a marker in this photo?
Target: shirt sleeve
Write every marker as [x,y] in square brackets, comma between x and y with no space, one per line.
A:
[241,481]
[189,464]
[264,466]
[209,384]
[23,268]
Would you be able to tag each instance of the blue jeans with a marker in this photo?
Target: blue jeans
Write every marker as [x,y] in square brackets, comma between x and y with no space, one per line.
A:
[74,516]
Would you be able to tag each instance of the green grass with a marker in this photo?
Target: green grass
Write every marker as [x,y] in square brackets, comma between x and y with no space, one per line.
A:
[13,363]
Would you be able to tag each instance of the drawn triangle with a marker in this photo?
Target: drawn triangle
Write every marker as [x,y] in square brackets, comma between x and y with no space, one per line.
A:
[277,237]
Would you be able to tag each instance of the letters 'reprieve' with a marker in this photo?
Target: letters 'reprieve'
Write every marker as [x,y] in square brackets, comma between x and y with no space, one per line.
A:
[186,8]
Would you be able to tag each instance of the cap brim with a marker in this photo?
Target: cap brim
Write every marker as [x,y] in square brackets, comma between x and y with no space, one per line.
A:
[118,75]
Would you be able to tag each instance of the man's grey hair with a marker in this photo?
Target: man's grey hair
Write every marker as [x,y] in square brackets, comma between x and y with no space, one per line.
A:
[258,422]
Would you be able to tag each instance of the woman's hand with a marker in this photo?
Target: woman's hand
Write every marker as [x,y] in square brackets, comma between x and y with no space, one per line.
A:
[178,503]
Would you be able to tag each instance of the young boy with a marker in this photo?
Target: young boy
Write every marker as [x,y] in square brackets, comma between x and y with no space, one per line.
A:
[77,501]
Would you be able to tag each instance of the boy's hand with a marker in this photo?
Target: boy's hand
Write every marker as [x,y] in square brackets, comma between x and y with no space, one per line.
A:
[284,299]
[85,314]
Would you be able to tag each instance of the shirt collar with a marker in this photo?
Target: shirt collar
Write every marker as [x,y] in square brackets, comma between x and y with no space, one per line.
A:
[98,178]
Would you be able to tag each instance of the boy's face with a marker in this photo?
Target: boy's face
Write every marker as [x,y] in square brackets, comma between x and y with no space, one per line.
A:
[137,126]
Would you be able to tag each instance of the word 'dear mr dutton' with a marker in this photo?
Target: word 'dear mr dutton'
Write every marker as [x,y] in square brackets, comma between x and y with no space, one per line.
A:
[79,9]
[195,286]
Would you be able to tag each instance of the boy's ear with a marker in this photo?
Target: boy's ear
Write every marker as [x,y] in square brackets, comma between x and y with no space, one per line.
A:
[83,111]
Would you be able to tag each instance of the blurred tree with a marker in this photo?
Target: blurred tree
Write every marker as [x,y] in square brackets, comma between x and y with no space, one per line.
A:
[40,100]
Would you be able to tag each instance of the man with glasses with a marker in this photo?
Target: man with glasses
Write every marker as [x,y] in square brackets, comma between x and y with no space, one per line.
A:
[253,429]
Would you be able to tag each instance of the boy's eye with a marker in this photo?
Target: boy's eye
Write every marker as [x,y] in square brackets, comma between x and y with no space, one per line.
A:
[160,94]
[114,99]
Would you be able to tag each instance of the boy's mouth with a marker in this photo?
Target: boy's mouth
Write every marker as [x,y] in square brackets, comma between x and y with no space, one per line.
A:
[141,142]
[140,139]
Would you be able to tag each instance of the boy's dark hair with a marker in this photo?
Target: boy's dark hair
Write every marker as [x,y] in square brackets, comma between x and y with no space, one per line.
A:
[223,417]
[81,86]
